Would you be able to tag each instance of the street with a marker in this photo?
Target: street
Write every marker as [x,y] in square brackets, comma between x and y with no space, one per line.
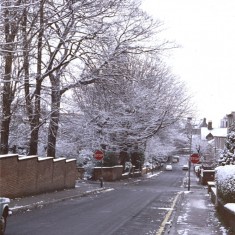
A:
[138,207]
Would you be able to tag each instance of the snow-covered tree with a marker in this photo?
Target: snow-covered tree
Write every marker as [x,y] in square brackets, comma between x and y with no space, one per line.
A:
[228,156]
[140,105]
[62,45]
[11,17]
[204,148]
[104,49]
[162,144]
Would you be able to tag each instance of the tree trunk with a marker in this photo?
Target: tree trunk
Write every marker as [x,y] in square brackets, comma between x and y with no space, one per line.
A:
[55,115]
[6,105]
[35,114]
[7,94]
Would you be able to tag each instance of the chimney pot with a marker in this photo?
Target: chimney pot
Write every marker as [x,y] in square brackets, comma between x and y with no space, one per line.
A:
[210,125]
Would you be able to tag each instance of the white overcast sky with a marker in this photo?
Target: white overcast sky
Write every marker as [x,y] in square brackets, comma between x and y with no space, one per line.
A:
[205,29]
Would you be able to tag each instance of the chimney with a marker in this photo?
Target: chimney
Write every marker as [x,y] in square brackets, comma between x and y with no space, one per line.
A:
[189,119]
[210,125]
[204,124]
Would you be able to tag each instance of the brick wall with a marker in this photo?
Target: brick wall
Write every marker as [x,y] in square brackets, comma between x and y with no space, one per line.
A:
[30,175]
[108,173]
[70,174]
[44,173]
[59,173]
[9,171]
[26,168]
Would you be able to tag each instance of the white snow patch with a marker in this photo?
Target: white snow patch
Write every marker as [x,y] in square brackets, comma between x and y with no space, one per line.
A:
[109,189]
[230,206]
[16,207]
[152,175]
[19,207]
[200,204]
[223,230]
[162,208]
[182,219]
[183,232]
[186,192]
[169,222]
[136,181]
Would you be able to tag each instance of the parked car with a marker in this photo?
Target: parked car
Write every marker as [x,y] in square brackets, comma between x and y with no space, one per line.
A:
[175,159]
[168,167]
[185,167]
[207,175]
[4,212]
[197,169]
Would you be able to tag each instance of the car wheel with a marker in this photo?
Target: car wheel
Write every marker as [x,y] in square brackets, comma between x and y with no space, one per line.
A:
[2,225]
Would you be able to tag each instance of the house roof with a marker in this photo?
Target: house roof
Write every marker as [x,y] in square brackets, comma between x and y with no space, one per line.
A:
[220,132]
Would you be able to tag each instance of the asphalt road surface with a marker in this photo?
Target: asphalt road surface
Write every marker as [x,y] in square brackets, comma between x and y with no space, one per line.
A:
[136,208]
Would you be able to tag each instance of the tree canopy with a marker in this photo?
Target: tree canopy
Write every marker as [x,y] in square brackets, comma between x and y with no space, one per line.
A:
[103,56]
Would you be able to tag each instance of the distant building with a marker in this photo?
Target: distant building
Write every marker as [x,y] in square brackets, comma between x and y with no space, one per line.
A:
[219,135]
[215,136]
[230,118]
[227,120]
[208,132]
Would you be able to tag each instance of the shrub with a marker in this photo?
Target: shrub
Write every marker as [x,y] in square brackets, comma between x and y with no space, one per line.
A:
[86,160]
[225,179]
[110,159]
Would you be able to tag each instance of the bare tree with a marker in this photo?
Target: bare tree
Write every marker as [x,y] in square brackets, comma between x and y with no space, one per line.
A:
[32,30]
[144,101]
[92,35]
[10,19]
[63,45]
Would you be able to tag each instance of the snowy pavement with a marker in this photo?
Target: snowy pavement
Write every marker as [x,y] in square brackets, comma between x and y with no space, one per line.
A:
[195,214]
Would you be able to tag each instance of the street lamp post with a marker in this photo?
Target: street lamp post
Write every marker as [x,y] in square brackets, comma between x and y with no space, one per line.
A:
[189,129]
[189,161]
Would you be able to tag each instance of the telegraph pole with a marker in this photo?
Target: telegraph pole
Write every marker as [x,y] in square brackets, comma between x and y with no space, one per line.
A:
[189,161]
[189,129]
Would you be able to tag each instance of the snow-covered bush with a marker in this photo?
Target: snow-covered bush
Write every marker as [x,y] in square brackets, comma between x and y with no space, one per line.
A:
[225,179]
[85,159]
[128,166]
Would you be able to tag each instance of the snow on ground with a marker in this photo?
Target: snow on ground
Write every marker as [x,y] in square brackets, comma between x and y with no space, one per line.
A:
[199,204]
[183,232]
[29,205]
[224,231]
[150,175]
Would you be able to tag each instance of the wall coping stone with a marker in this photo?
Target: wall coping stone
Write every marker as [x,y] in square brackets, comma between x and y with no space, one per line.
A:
[21,157]
[71,160]
[107,167]
[8,155]
[213,189]
[229,207]
[44,158]
[59,159]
